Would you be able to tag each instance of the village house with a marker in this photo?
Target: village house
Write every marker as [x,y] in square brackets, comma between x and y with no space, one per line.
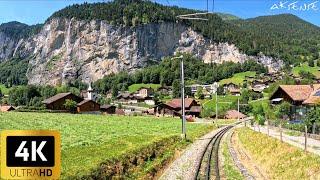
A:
[129,98]
[207,89]
[6,108]
[57,102]
[234,114]
[108,109]
[165,90]
[145,92]
[235,92]
[299,96]
[88,105]
[174,108]
[232,88]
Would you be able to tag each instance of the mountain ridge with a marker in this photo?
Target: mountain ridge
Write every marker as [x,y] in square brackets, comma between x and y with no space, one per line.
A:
[134,35]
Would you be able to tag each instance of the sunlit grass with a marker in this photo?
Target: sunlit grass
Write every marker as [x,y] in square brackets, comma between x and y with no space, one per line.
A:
[88,140]
[279,160]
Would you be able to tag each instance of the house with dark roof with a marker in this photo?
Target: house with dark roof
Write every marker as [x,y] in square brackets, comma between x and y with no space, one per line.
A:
[57,102]
[108,109]
[299,96]
[88,105]
[174,108]
[130,98]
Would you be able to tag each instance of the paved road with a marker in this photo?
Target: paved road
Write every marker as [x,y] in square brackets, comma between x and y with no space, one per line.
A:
[298,141]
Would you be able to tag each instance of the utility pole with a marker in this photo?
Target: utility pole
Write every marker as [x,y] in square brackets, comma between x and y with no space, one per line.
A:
[238,110]
[216,105]
[183,119]
[183,135]
[216,85]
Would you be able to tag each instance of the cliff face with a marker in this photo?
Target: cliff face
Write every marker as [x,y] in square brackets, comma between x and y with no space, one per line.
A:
[67,49]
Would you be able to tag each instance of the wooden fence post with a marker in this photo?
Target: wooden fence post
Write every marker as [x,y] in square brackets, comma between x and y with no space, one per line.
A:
[305,137]
[268,127]
[281,132]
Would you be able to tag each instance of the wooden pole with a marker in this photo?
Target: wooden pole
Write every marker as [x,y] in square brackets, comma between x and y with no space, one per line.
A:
[281,131]
[305,137]
[268,127]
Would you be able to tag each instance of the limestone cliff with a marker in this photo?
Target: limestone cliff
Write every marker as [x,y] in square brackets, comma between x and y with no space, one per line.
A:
[68,49]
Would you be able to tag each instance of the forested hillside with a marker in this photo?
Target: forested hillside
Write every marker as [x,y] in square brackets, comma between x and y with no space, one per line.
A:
[285,36]
[18,30]
[168,71]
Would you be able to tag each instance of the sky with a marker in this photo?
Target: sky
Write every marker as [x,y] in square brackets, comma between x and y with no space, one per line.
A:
[37,11]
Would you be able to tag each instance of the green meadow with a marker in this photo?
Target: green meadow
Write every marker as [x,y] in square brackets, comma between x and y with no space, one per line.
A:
[89,140]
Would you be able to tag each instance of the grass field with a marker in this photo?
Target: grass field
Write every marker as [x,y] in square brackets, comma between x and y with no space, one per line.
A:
[237,78]
[223,102]
[305,67]
[279,160]
[135,87]
[89,140]
[4,90]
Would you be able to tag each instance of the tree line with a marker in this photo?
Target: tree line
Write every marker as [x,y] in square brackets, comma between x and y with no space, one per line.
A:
[167,73]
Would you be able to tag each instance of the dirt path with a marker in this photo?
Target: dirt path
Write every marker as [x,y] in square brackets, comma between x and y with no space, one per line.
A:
[185,166]
[298,141]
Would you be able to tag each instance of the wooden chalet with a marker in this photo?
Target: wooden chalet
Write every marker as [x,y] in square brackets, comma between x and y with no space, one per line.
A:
[145,92]
[299,96]
[165,90]
[88,105]
[129,98]
[108,109]
[57,102]
[174,108]
[235,91]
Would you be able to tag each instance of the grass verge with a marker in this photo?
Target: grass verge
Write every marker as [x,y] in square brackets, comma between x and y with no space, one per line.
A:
[279,160]
[230,171]
[91,141]
[135,87]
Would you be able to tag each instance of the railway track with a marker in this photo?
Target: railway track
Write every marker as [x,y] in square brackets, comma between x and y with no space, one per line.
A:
[209,162]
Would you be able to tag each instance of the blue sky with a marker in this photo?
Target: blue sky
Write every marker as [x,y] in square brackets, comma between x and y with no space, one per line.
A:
[37,11]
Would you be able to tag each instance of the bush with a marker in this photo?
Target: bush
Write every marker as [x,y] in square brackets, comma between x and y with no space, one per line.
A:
[70,105]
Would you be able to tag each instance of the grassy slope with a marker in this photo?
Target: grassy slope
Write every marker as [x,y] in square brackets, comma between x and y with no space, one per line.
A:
[135,87]
[4,90]
[237,78]
[280,160]
[223,101]
[88,140]
[306,67]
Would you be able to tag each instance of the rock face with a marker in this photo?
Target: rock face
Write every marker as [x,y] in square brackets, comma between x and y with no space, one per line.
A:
[68,49]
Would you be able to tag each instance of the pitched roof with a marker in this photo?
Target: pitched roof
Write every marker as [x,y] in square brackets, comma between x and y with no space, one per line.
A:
[314,97]
[107,106]
[6,108]
[85,101]
[233,114]
[55,98]
[176,103]
[297,92]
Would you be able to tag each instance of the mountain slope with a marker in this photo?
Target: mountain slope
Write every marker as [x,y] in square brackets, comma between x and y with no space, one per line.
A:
[89,41]
[285,35]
